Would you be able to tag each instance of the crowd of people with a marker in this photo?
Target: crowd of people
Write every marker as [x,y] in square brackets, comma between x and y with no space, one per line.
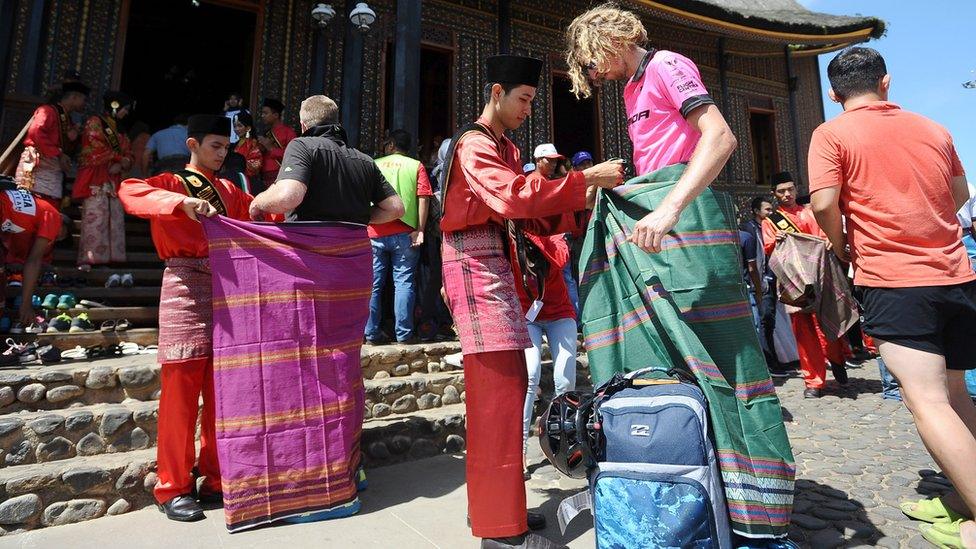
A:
[485,245]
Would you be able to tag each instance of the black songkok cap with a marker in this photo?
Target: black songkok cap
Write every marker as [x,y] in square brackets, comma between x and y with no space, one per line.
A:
[514,69]
[273,104]
[75,87]
[782,177]
[244,117]
[115,100]
[208,124]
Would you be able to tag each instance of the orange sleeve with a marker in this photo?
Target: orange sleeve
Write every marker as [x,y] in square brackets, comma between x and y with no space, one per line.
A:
[156,197]
[824,161]
[509,194]
[423,182]
[768,236]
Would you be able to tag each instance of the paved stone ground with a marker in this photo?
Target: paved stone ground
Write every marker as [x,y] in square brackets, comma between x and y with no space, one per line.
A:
[857,455]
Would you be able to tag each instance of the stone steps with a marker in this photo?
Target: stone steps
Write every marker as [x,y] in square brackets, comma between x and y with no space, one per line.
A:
[87,487]
[405,395]
[55,435]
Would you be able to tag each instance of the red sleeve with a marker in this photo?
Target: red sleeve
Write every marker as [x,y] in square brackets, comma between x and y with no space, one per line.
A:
[957,170]
[768,236]
[45,131]
[159,196]
[48,221]
[423,182]
[238,201]
[508,193]
[824,161]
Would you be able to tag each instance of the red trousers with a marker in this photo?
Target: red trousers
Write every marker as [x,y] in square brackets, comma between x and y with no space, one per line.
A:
[495,385]
[182,384]
[814,349]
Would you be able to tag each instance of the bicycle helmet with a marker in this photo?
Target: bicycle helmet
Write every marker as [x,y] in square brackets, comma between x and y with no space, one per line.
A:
[563,433]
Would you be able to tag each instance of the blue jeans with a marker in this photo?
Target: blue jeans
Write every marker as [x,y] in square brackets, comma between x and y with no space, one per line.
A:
[571,287]
[561,334]
[395,251]
[890,389]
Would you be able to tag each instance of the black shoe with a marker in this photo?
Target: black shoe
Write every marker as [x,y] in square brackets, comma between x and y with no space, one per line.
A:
[211,498]
[840,372]
[811,393]
[49,354]
[381,340]
[536,521]
[182,508]
[525,541]
[779,373]
[412,340]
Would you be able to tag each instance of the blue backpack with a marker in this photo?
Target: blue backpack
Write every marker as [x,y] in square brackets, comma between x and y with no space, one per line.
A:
[656,482]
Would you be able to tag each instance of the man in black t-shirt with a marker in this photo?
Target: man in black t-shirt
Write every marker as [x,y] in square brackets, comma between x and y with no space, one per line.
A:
[323,179]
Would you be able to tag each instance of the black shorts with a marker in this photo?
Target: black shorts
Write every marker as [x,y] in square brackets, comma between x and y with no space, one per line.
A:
[934,319]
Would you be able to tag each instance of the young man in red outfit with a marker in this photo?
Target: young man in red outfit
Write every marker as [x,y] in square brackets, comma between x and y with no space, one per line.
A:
[484,189]
[172,202]
[814,348]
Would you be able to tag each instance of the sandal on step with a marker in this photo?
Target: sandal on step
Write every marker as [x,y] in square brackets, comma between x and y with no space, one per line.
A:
[944,535]
[932,510]
[122,325]
[108,326]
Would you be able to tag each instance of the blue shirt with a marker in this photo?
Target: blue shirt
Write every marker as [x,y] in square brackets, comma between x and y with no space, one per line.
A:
[169,142]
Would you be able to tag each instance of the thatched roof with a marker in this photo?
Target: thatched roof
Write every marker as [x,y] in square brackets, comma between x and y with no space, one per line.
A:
[779,16]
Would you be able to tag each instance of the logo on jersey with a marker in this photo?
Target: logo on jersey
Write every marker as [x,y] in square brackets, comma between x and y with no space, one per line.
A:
[643,115]
[11,227]
[22,202]
[687,86]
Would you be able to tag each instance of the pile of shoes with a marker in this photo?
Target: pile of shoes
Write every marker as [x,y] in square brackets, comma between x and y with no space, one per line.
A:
[16,354]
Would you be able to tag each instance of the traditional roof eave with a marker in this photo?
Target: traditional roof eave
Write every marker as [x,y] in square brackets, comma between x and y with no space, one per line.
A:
[857,29]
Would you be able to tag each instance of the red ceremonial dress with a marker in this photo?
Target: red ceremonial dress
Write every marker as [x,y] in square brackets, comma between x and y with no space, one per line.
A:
[280,134]
[103,221]
[253,159]
[486,187]
[185,327]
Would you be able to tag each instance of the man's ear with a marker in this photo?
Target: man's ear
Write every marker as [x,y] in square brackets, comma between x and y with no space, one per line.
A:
[833,95]
[192,144]
[884,85]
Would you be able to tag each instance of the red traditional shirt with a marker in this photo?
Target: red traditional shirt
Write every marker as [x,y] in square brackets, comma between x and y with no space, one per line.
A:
[44,133]
[158,199]
[249,149]
[281,134]
[801,216]
[487,186]
[97,155]
[555,302]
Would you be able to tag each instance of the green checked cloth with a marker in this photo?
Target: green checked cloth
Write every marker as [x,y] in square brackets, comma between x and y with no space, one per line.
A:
[686,306]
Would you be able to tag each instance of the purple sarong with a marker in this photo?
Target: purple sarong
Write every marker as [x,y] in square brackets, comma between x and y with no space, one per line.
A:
[290,303]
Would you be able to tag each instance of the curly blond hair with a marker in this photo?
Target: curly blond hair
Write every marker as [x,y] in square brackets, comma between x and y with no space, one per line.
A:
[598,36]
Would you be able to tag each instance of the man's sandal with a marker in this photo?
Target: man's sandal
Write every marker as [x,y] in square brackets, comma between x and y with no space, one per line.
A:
[932,510]
[944,535]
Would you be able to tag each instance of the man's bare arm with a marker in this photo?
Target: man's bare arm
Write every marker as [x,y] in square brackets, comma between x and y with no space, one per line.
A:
[282,197]
[389,209]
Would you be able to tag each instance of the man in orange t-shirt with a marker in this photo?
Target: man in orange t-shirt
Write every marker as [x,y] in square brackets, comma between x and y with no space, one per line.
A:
[897,179]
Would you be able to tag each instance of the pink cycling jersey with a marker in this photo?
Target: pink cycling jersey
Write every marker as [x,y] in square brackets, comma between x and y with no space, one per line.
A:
[663,91]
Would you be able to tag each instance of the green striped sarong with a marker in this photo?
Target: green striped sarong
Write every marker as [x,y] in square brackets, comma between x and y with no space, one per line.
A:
[686,306]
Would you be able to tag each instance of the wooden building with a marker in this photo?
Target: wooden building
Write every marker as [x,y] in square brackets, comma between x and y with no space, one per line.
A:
[420,65]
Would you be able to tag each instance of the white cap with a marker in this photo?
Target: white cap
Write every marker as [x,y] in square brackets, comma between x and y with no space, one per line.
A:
[546,150]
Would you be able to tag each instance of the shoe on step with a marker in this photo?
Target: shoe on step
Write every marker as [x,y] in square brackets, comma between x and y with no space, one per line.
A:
[182,508]
[50,302]
[114,281]
[59,324]
[81,323]
[128,280]
[67,301]
[49,354]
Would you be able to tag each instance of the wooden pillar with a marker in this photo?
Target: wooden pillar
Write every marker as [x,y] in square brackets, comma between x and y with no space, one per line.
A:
[724,83]
[29,75]
[504,26]
[352,81]
[7,14]
[406,68]
[791,83]
[319,43]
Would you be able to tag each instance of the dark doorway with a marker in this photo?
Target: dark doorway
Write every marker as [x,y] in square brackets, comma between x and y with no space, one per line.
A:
[436,99]
[575,123]
[765,161]
[181,58]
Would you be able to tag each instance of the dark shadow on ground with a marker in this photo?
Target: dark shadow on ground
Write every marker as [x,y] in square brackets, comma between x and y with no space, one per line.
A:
[824,516]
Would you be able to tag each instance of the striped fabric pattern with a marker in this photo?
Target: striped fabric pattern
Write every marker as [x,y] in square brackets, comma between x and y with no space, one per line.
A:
[290,306]
[686,306]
